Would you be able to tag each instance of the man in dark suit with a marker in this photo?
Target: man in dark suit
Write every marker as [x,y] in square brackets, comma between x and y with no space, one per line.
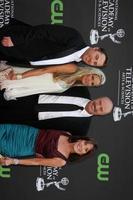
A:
[46,45]
[29,110]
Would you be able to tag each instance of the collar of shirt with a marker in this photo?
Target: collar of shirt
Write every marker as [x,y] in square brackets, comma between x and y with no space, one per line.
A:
[79,53]
[85,113]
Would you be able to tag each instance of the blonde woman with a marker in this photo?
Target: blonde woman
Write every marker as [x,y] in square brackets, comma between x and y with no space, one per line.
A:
[19,82]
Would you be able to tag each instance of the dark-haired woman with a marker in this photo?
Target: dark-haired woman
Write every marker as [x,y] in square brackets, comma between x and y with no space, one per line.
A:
[25,145]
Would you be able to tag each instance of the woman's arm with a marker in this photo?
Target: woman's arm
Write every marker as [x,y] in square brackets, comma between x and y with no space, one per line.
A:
[65,68]
[52,162]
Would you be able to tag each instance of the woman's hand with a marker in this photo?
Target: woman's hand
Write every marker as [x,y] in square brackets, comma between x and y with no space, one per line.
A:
[6,161]
[7,42]
[11,76]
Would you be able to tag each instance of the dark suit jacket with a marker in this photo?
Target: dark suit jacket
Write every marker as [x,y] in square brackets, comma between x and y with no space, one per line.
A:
[75,125]
[32,43]
[20,110]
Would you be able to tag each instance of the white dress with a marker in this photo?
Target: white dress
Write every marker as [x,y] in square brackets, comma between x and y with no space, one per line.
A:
[32,85]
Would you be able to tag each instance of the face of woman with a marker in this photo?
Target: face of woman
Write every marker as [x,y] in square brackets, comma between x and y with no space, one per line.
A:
[82,147]
[91,80]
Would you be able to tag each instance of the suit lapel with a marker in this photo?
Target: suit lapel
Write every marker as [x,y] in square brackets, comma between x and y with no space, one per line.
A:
[63,53]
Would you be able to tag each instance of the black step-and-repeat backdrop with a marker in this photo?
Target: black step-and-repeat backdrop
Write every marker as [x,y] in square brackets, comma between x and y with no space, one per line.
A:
[109,173]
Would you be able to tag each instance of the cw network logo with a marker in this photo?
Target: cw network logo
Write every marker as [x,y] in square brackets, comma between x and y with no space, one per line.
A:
[5,172]
[103,168]
[57,11]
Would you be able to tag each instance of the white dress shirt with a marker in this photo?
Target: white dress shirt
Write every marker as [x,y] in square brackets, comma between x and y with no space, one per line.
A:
[66,59]
[63,100]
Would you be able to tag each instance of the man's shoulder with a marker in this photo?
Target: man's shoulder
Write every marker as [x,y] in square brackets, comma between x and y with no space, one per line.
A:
[74,125]
[77,92]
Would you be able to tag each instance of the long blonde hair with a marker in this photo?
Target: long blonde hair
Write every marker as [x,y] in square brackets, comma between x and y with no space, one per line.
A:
[81,71]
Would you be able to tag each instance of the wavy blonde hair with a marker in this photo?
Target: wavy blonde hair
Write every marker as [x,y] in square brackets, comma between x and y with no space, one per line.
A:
[81,71]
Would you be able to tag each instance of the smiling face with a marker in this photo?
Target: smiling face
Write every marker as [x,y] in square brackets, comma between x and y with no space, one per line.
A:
[82,147]
[91,80]
[100,106]
[94,57]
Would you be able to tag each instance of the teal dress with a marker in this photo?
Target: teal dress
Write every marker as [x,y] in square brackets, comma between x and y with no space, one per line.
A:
[17,140]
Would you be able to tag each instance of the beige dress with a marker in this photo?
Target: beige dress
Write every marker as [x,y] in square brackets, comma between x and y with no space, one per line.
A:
[32,85]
